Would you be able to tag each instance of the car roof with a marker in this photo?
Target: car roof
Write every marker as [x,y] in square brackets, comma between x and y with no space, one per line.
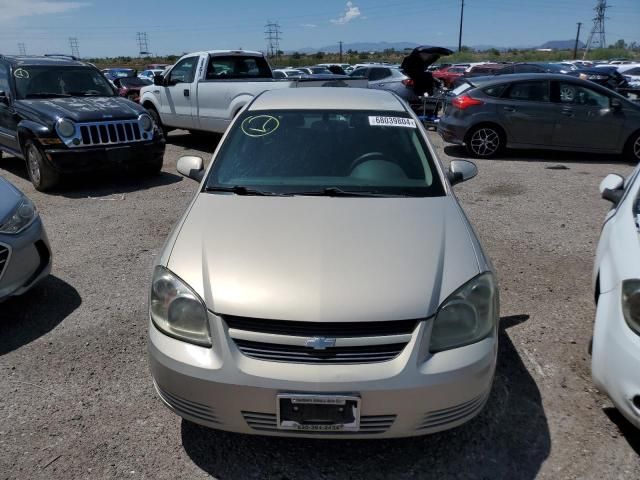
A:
[516,77]
[325,98]
[227,52]
[27,60]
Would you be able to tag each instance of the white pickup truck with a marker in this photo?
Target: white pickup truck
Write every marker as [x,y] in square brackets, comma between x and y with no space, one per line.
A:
[204,91]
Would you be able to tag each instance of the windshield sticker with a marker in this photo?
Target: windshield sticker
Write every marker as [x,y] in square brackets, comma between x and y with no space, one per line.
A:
[260,125]
[21,73]
[392,122]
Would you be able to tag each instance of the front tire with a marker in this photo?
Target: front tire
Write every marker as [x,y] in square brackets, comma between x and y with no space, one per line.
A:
[485,141]
[156,118]
[632,152]
[42,176]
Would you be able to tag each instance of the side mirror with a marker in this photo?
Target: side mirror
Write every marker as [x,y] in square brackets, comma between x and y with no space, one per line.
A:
[191,167]
[3,97]
[611,188]
[616,105]
[461,171]
[158,80]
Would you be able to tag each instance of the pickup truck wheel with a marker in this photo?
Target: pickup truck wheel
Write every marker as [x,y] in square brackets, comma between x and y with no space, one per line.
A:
[40,173]
[156,118]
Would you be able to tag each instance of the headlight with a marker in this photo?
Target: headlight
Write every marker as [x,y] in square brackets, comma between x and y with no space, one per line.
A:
[66,128]
[469,315]
[145,122]
[631,304]
[20,218]
[177,310]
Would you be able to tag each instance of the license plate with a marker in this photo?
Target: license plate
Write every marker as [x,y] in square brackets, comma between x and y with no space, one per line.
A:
[318,413]
[118,154]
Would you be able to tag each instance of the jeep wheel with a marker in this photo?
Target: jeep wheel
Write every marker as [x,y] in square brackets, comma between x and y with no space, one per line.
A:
[40,173]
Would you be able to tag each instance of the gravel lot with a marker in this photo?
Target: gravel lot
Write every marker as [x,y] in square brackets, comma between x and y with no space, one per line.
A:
[77,401]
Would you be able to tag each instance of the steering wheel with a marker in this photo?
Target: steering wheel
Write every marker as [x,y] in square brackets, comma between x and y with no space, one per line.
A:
[365,158]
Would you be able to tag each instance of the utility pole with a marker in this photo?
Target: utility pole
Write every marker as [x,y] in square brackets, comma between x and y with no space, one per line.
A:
[340,42]
[143,43]
[575,47]
[597,36]
[22,49]
[461,18]
[273,35]
[75,49]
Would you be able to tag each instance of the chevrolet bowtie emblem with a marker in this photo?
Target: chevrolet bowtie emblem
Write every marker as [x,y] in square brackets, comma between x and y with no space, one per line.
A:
[320,343]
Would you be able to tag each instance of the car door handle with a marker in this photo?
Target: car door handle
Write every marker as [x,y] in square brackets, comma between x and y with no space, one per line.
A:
[509,109]
[186,92]
[567,113]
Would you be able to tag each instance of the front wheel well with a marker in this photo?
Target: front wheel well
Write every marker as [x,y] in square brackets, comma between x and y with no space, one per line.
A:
[24,135]
[597,289]
[149,105]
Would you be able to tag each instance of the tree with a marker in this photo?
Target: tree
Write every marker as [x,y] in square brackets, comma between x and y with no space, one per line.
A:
[319,55]
[296,55]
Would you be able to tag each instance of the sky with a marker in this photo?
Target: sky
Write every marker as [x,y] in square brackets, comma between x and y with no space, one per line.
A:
[109,27]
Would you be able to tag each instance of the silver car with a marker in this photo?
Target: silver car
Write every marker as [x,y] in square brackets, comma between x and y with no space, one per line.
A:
[25,255]
[324,280]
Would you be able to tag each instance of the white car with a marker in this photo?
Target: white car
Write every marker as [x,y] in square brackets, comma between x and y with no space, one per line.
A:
[615,361]
[631,72]
[149,74]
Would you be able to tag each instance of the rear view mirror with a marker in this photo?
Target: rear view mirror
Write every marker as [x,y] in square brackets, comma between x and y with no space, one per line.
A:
[191,167]
[461,171]
[158,80]
[612,188]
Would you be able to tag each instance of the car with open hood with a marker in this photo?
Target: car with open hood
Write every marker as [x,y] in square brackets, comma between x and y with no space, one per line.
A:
[63,117]
[324,281]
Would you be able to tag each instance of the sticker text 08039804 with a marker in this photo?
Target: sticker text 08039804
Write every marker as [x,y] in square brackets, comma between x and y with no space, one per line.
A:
[392,122]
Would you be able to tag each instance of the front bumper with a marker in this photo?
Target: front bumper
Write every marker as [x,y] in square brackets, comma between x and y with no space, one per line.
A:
[615,360]
[28,260]
[221,388]
[77,160]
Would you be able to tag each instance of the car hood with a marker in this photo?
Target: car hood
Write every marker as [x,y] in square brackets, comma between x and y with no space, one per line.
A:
[83,109]
[322,258]
[9,198]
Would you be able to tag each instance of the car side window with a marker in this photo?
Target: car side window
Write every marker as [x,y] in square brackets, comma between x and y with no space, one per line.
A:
[379,73]
[4,79]
[495,90]
[359,72]
[574,94]
[632,71]
[534,91]
[184,71]
[235,67]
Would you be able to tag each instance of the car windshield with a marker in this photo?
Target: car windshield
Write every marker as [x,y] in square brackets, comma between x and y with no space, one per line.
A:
[325,152]
[47,81]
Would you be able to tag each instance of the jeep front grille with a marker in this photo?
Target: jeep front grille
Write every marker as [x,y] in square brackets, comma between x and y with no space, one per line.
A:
[109,133]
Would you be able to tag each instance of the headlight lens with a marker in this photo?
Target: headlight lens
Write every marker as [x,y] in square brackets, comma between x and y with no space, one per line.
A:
[177,310]
[145,122]
[469,315]
[66,128]
[631,304]
[20,218]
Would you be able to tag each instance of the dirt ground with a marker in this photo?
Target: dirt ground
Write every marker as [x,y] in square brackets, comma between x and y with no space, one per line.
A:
[77,401]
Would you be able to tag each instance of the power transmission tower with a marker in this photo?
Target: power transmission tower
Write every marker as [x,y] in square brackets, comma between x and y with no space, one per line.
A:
[22,49]
[597,36]
[75,49]
[143,43]
[273,35]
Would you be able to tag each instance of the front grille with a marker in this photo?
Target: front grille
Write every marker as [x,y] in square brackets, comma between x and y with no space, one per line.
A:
[188,408]
[108,133]
[4,258]
[369,424]
[328,329]
[297,354]
[438,418]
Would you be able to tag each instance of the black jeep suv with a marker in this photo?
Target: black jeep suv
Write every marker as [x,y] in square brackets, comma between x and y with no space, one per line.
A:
[63,116]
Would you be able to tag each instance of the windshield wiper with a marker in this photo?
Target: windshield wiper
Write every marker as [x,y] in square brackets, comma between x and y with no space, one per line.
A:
[46,94]
[238,190]
[338,192]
